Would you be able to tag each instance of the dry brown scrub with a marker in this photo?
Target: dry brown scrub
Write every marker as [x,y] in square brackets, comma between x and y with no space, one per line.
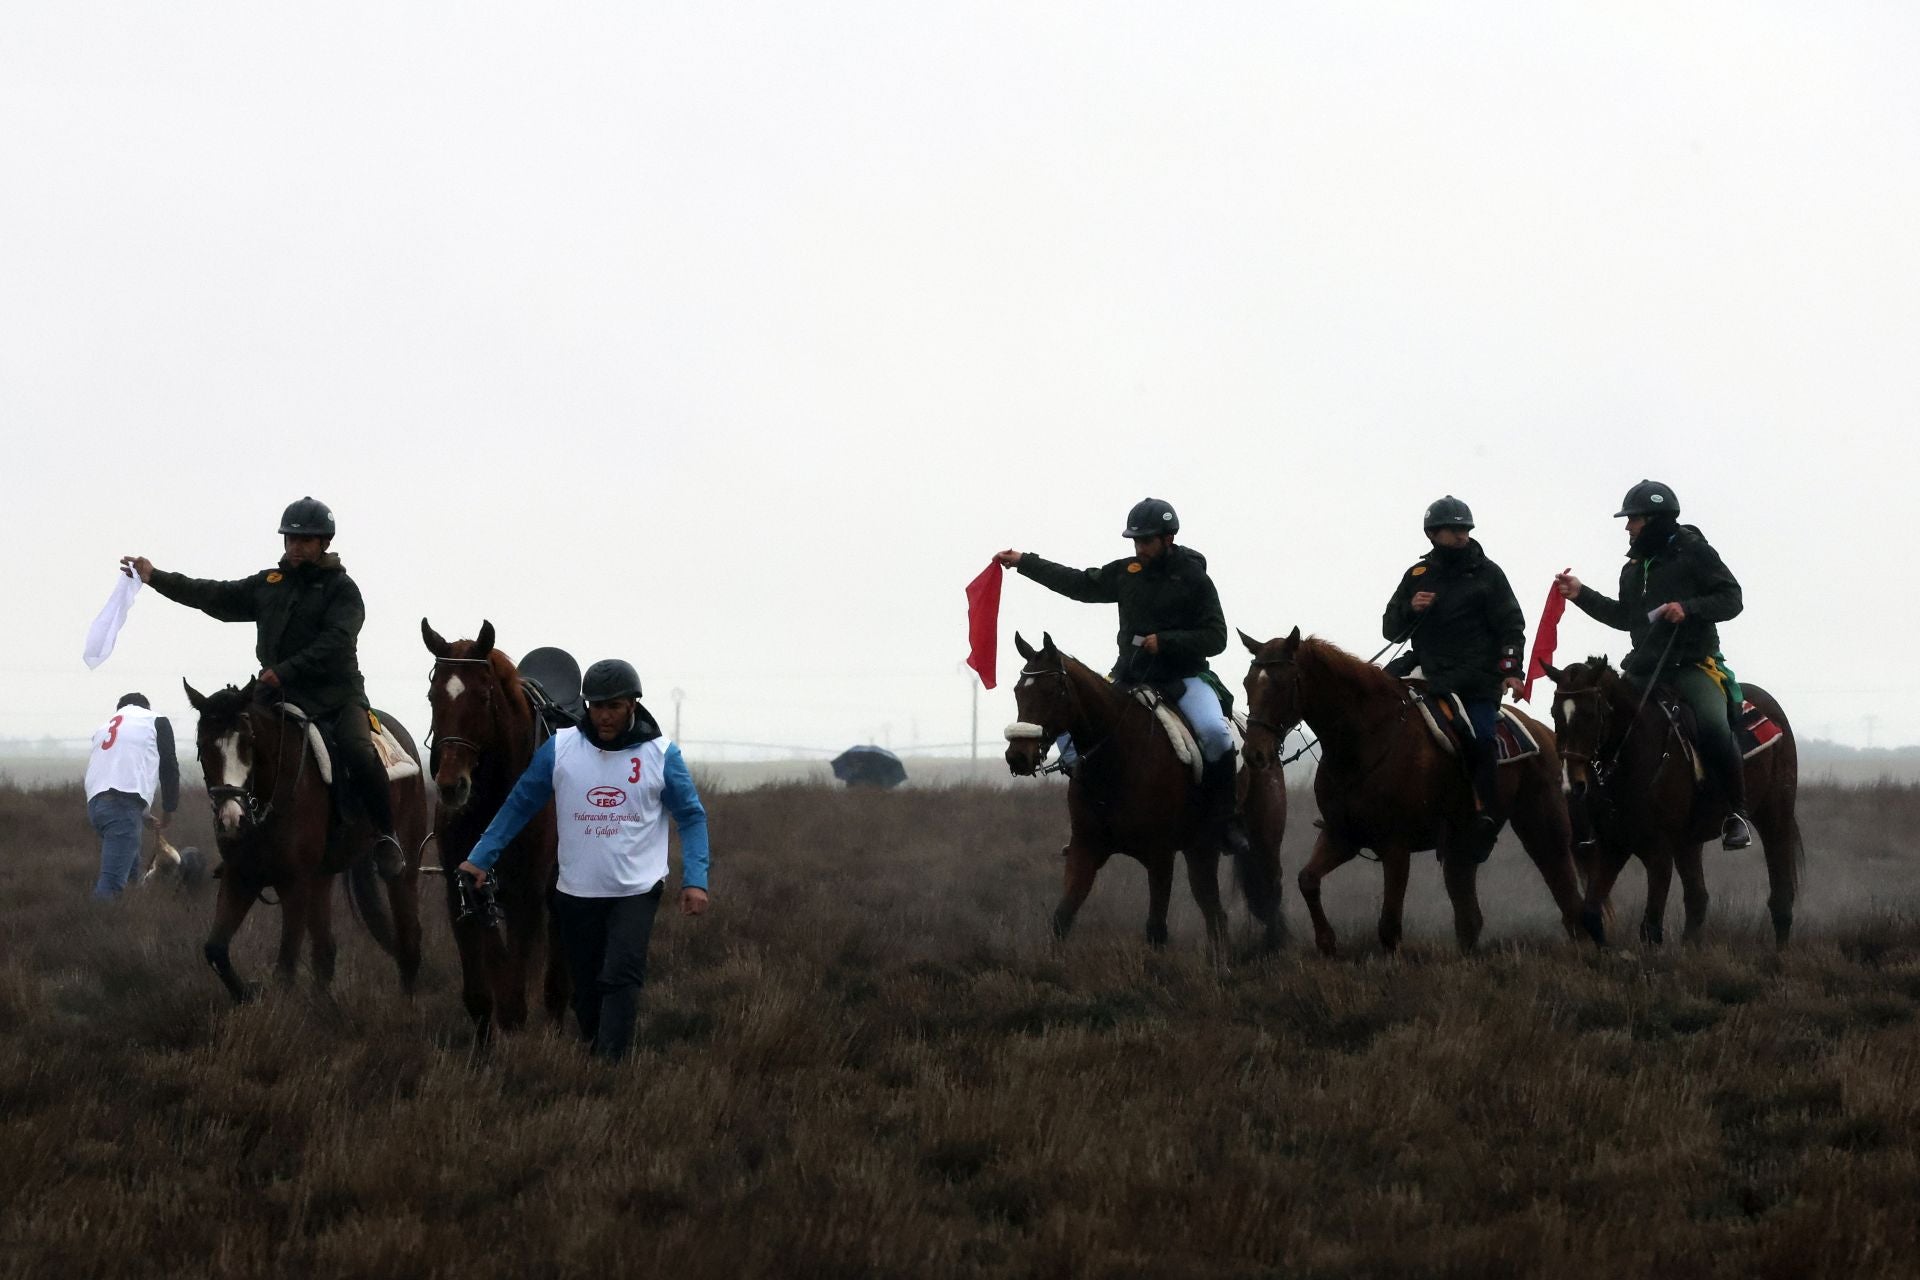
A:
[870,1061]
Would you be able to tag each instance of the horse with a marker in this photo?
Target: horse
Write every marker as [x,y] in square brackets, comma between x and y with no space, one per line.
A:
[1132,794]
[1385,784]
[1625,760]
[276,827]
[485,731]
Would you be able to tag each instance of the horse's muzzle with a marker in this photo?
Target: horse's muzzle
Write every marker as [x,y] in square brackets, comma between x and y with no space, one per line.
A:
[1023,758]
[455,792]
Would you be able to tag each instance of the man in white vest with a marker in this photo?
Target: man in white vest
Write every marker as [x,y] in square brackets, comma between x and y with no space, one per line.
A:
[612,782]
[132,758]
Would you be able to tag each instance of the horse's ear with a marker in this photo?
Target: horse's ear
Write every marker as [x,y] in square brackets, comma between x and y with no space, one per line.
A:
[484,644]
[1020,643]
[1554,673]
[436,644]
[195,699]
[1253,646]
[253,683]
[1291,645]
[1046,643]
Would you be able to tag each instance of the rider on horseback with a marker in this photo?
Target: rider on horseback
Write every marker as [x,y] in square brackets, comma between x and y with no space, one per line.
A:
[309,614]
[1466,630]
[1170,624]
[1673,576]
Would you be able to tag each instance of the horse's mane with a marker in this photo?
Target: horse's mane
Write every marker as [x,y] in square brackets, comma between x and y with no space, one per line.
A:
[509,677]
[1341,665]
[225,706]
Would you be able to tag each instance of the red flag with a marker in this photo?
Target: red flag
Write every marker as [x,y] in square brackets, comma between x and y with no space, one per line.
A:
[1546,639]
[983,624]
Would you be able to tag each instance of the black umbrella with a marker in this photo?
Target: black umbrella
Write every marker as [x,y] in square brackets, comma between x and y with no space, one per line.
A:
[869,766]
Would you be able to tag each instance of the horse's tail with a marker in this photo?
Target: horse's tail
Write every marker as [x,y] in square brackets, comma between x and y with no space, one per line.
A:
[1257,872]
[369,902]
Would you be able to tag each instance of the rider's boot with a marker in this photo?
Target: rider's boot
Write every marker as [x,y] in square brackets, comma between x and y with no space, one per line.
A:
[1728,773]
[1484,763]
[1217,782]
[370,786]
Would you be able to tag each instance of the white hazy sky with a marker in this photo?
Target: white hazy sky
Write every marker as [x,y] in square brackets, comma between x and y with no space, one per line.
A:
[734,338]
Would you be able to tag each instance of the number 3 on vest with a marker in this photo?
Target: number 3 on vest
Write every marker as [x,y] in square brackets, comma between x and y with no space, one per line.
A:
[635,775]
[113,734]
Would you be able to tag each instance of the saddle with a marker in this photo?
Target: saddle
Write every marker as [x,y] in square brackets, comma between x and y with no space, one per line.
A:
[1186,747]
[392,755]
[1446,718]
[1753,729]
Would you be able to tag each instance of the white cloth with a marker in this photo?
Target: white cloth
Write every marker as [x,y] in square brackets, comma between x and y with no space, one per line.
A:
[106,627]
[613,830]
[126,755]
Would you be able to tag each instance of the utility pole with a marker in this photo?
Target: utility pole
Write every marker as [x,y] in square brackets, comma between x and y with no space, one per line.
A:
[679,696]
[1871,721]
[976,721]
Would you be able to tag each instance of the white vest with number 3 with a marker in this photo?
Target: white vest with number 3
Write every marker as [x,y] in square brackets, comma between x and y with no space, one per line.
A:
[126,755]
[613,831]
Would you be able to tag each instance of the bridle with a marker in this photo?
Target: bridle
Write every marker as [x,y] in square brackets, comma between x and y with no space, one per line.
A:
[436,739]
[1278,731]
[257,814]
[1073,701]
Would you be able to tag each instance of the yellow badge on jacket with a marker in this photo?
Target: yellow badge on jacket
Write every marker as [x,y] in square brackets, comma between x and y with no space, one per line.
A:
[275,576]
[1134,567]
[1416,571]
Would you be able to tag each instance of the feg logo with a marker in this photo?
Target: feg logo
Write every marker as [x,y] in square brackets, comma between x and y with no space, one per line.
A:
[606,797]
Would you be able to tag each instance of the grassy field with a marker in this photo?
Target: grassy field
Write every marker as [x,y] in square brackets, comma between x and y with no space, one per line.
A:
[870,1060]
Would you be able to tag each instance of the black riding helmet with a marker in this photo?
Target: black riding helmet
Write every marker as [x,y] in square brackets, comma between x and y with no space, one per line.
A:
[1649,498]
[1151,518]
[610,679]
[307,518]
[1448,513]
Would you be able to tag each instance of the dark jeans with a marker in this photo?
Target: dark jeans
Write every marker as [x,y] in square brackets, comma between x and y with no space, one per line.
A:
[365,774]
[116,816]
[605,940]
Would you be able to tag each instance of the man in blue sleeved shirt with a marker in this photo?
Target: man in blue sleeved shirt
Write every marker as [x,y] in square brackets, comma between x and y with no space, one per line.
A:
[612,783]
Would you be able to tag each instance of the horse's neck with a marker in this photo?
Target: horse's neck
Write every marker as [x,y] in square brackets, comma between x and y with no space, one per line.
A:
[512,717]
[1096,706]
[1343,708]
[279,742]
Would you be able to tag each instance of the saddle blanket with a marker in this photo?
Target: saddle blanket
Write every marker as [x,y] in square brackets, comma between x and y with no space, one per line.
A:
[1754,730]
[1446,718]
[392,755]
[1185,745]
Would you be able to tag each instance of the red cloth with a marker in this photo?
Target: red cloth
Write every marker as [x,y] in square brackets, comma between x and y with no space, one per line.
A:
[983,624]
[1546,639]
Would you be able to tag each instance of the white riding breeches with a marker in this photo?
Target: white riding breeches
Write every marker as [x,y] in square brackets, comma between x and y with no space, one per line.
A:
[1201,707]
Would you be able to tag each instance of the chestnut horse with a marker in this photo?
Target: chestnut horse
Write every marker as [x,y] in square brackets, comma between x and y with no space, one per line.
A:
[1131,794]
[1385,784]
[1625,762]
[277,829]
[485,731]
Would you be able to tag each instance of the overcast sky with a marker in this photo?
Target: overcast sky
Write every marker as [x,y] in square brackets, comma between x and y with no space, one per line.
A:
[734,339]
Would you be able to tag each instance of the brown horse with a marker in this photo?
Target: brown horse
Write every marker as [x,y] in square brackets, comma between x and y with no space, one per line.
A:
[1626,763]
[1131,794]
[1385,784]
[485,731]
[277,829]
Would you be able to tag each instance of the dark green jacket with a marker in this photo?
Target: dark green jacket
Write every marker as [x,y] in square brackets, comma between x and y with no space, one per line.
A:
[1470,637]
[309,622]
[1171,597]
[1686,569]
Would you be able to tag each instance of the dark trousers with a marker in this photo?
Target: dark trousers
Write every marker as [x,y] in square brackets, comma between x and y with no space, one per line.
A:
[605,940]
[365,774]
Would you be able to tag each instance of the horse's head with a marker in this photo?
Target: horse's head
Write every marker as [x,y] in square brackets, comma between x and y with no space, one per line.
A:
[1583,717]
[461,689]
[1273,696]
[226,750]
[1043,698]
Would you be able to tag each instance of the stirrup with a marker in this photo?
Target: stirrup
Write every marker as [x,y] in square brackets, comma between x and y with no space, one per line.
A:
[389,859]
[1736,832]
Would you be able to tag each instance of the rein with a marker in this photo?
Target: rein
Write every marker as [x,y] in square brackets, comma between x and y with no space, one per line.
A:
[434,737]
[1060,673]
[1279,734]
[256,814]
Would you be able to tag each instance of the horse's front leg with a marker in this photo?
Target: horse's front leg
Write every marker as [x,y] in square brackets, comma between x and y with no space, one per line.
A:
[1606,869]
[228,912]
[1159,894]
[1693,891]
[1203,878]
[1082,863]
[320,926]
[1653,924]
[1461,870]
[1328,853]
[296,903]
[1395,863]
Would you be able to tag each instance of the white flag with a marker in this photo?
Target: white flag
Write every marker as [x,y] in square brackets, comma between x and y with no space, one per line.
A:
[106,628]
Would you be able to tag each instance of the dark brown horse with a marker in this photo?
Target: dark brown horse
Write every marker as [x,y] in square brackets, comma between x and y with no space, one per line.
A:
[485,731]
[1131,794]
[1385,784]
[278,829]
[1626,763]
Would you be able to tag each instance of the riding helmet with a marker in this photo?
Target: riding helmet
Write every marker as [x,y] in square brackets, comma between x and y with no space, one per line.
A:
[1448,513]
[307,518]
[1151,518]
[1649,498]
[610,679]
